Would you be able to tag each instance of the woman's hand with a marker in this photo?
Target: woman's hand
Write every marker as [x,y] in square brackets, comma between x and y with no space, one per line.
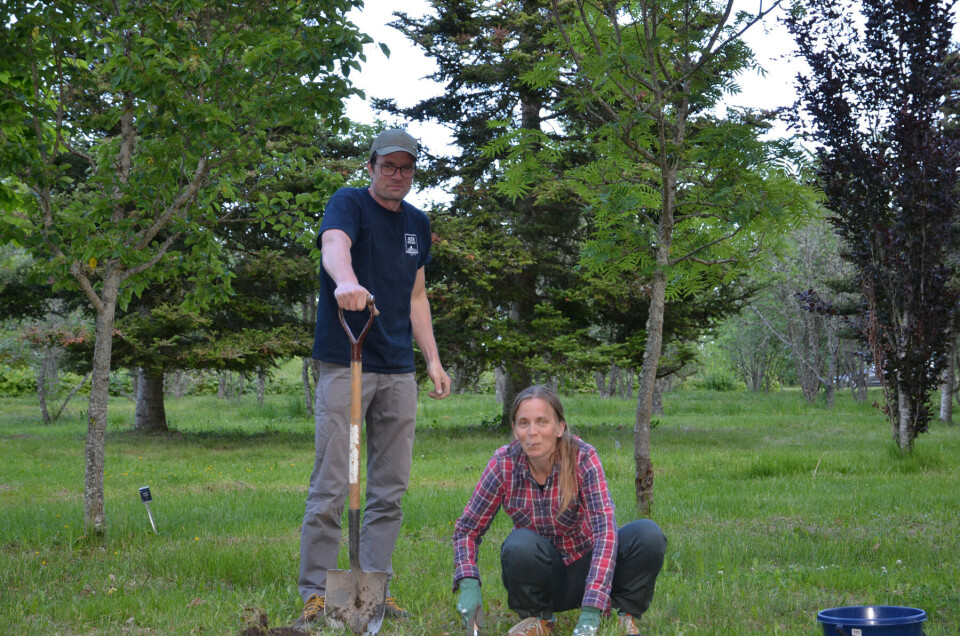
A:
[470,605]
[589,623]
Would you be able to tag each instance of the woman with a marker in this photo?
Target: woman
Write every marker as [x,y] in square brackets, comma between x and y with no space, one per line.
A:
[565,551]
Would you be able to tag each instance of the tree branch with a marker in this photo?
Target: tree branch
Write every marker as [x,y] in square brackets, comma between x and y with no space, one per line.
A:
[154,259]
[73,392]
[691,255]
[177,206]
[127,140]
[76,269]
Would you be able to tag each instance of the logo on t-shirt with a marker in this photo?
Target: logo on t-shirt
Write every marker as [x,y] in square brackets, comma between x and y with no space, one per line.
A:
[412,249]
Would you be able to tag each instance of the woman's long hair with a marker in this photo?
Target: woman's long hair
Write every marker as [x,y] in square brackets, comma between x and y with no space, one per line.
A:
[566,445]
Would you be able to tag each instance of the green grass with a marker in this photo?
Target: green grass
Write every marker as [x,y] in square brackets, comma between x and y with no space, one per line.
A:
[773,509]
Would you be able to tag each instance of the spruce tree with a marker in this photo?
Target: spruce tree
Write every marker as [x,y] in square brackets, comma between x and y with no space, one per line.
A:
[506,289]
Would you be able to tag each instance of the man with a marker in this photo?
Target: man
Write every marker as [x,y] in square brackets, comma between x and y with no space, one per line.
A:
[372,243]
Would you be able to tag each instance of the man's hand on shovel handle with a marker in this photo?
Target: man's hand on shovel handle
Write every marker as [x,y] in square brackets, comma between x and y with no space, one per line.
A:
[353,297]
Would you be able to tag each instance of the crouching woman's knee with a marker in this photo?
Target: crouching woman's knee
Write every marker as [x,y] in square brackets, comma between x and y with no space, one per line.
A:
[526,556]
[642,542]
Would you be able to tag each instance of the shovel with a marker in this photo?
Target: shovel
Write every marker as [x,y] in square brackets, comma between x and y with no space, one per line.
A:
[354,597]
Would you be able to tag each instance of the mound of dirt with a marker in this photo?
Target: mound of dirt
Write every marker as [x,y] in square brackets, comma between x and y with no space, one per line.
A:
[276,631]
[255,623]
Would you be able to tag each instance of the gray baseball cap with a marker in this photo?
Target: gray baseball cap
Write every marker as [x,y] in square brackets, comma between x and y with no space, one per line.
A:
[394,140]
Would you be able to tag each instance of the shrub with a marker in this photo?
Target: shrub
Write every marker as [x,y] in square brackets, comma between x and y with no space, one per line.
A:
[17,381]
[720,381]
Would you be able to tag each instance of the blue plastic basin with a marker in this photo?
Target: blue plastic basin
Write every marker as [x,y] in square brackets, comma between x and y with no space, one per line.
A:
[872,620]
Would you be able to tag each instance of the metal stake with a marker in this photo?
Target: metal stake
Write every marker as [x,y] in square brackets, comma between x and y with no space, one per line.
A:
[146,499]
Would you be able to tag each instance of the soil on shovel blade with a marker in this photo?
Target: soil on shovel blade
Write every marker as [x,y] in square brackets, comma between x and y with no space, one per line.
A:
[255,624]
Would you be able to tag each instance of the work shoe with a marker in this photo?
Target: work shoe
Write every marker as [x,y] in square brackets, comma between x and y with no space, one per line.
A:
[531,626]
[627,625]
[312,612]
[392,610]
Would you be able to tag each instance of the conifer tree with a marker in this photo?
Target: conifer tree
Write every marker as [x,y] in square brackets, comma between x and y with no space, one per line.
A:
[505,272]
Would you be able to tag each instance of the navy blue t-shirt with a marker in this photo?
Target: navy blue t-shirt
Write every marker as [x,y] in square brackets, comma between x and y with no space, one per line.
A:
[388,248]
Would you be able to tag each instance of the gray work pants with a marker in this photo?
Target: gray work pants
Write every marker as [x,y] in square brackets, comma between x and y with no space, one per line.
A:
[390,412]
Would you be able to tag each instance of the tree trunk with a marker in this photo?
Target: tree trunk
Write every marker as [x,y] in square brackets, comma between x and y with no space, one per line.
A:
[601,380]
[517,374]
[261,385]
[648,381]
[307,385]
[44,381]
[515,379]
[904,432]
[223,378]
[614,383]
[643,479]
[177,382]
[134,374]
[830,384]
[657,404]
[241,384]
[809,384]
[946,388]
[309,318]
[661,386]
[151,414]
[94,519]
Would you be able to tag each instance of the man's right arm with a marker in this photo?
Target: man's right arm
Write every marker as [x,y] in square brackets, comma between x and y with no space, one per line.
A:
[335,256]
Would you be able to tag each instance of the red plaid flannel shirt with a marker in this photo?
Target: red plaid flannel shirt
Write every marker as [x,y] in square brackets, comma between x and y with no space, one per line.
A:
[587,524]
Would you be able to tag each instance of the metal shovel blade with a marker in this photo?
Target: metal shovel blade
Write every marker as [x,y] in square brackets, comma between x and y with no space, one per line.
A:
[356,599]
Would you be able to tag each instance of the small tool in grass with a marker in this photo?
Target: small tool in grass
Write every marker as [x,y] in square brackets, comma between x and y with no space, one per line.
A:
[355,597]
[146,499]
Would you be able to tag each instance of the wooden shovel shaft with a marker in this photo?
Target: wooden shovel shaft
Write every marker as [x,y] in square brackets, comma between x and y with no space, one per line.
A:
[356,407]
[356,371]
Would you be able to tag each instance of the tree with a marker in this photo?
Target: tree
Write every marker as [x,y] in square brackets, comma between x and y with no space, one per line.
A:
[684,196]
[875,99]
[802,308]
[272,276]
[756,355]
[165,106]
[504,283]
[48,323]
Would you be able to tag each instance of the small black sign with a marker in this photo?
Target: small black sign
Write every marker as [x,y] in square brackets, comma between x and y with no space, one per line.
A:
[145,494]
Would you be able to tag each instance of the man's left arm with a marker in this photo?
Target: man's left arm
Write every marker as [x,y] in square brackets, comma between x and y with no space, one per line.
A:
[423,333]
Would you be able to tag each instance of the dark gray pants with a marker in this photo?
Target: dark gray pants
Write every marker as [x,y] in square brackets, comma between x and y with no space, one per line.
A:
[537,580]
[390,410]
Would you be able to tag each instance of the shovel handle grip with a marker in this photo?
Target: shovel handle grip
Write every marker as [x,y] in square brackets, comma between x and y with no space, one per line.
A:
[356,343]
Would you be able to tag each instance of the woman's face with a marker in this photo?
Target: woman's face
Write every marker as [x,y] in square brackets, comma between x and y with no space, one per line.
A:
[536,426]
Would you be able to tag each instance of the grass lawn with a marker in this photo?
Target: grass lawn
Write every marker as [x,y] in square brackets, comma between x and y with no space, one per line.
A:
[773,509]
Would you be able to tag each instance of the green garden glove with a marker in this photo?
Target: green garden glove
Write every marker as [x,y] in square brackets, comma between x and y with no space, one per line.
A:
[470,605]
[589,623]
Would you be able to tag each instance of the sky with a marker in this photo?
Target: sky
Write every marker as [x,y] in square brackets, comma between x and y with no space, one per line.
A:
[403,75]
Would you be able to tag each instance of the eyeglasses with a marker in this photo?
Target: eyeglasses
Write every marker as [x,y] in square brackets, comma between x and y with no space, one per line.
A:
[388,170]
